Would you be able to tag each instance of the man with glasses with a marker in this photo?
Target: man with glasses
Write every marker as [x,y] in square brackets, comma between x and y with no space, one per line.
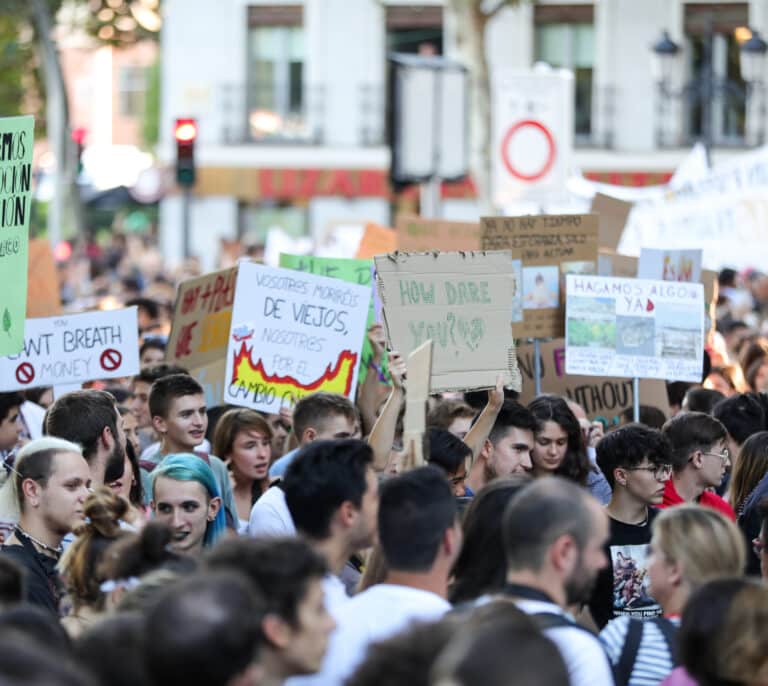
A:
[700,459]
[636,462]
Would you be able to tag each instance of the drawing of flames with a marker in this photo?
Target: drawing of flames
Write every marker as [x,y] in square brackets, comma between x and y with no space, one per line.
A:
[337,377]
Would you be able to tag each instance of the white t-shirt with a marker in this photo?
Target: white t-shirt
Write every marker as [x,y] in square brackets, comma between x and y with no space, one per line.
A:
[583,654]
[270,516]
[374,615]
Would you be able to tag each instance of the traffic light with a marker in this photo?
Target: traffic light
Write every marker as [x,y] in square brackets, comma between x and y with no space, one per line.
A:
[79,135]
[185,133]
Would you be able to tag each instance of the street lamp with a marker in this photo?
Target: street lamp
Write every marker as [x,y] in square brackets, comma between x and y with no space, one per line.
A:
[707,85]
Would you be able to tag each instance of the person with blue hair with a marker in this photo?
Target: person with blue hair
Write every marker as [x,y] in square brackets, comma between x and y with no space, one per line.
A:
[186,497]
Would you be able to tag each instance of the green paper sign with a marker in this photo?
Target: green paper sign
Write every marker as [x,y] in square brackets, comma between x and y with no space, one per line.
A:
[346,269]
[16,139]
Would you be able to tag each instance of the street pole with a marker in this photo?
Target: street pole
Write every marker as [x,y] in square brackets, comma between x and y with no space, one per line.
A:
[707,82]
[186,202]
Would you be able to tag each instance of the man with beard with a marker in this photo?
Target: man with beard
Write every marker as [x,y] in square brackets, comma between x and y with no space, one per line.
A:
[554,535]
[90,418]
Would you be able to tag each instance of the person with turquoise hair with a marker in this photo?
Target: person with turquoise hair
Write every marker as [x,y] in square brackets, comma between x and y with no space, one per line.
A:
[186,497]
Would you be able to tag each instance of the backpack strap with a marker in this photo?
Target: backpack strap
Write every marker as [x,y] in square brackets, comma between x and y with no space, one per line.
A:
[553,620]
[669,632]
[623,669]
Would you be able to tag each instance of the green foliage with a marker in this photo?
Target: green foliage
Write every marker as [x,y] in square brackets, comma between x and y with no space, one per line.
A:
[150,129]
[19,79]
[592,333]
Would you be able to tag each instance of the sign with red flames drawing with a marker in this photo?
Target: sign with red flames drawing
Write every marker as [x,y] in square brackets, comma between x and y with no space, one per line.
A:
[293,334]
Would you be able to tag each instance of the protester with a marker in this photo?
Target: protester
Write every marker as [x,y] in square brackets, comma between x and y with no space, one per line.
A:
[289,575]
[452,415]
[151,352]
[243,439]
[650,416]
[332,495]
[129,484]
[507,450]
[748,489]
[554,536]
[12,587]
[177,405]
[481,566]
[701,400]
[205,631]
[26,661]
[636,461]
[48,486]
[79,565]
[699,461]
[141,384]
[186,497]
[90,419]
[742,415]
[421,538]
[10,422]
[450,454]
[690,546]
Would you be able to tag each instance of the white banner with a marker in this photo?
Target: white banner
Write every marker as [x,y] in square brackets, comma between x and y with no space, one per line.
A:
[73,349]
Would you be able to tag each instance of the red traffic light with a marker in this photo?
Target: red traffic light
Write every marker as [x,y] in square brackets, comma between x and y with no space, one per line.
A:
[185,130]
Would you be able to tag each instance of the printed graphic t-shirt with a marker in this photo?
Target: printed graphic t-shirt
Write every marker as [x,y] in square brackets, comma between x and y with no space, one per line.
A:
[621,589]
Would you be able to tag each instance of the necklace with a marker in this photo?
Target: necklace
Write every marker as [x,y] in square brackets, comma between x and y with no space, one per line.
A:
[56,551]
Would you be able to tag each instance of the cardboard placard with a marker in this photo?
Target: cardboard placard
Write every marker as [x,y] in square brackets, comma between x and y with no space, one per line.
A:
[602,398]
[669,265]
[419,367]
[613,214]
[73,349]
[463,303]
[293,334]
[16,142]
[376,240]
[634,328]
[549,246]
[201,319]
[418,234]
[43,295]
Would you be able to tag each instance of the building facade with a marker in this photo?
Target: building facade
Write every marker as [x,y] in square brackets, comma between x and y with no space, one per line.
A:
[290,100]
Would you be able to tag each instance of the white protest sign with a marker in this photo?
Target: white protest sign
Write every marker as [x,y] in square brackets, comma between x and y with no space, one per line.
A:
[293,333]
[73,349]
[634,327]
[669,265]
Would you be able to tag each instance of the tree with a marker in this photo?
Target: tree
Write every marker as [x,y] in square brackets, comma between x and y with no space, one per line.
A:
[471,19]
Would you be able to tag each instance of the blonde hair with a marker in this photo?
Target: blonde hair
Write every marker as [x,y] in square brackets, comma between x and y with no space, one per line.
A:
[706,544]
[743,644]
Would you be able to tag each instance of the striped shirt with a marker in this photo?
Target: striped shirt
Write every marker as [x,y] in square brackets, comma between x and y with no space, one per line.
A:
[653,661]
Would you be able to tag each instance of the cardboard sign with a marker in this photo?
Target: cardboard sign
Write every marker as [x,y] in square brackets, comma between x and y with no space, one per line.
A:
[634,327]
[418,234]
[293,334]
[463,303]
[669,265]
[549,246]
[73,349]
[419,367]
[43,295]
[612,218]
[602,398]
[376,240]
[16,141]
[202,319]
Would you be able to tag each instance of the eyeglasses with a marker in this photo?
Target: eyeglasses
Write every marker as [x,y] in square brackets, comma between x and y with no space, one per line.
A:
[758,546]
[724,456]
[661,472]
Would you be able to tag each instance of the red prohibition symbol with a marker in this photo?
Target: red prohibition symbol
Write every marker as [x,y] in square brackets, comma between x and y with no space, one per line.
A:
[551,150]
[110,359]
[25,373]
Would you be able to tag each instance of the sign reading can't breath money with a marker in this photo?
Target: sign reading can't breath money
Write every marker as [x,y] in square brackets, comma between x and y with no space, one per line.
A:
[73,349]
[549,246]
[461,301]
[292,334]
[634,327]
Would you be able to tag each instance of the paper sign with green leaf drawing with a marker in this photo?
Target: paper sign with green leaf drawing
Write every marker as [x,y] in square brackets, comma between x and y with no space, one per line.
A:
[16,138]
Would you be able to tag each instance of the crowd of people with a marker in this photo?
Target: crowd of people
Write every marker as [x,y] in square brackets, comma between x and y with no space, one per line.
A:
[148,539]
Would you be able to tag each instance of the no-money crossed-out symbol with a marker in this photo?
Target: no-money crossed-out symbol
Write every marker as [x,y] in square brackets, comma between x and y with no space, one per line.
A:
[110,359]
[25,373]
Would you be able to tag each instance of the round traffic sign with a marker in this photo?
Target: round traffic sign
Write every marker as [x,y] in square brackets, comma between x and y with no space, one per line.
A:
[110,359]
[529,125]
[25,373]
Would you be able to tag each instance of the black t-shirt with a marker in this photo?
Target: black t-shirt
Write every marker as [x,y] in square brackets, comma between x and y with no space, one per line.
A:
[43,585]
[622,587]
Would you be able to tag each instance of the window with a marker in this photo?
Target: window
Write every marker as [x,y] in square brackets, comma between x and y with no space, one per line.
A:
[132,87]
[257,219]
[275,98]
[565,39]
[415,29]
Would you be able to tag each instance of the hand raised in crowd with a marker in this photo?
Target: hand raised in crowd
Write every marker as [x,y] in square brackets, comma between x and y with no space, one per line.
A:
[593,433]
[397,369]
[378,342]
[496,394]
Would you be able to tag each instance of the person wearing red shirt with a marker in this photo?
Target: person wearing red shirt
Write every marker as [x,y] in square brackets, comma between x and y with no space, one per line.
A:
[699,460]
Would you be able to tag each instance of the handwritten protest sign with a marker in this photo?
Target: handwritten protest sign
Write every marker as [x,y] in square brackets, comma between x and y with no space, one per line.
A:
[612,218]
[376,240]
[549,246]
[463,303]
[202,319]
[602,398]
[669,265]
[73,349]
[293,334]
[634,328]
[16,140]
[419,234]
[43,296]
